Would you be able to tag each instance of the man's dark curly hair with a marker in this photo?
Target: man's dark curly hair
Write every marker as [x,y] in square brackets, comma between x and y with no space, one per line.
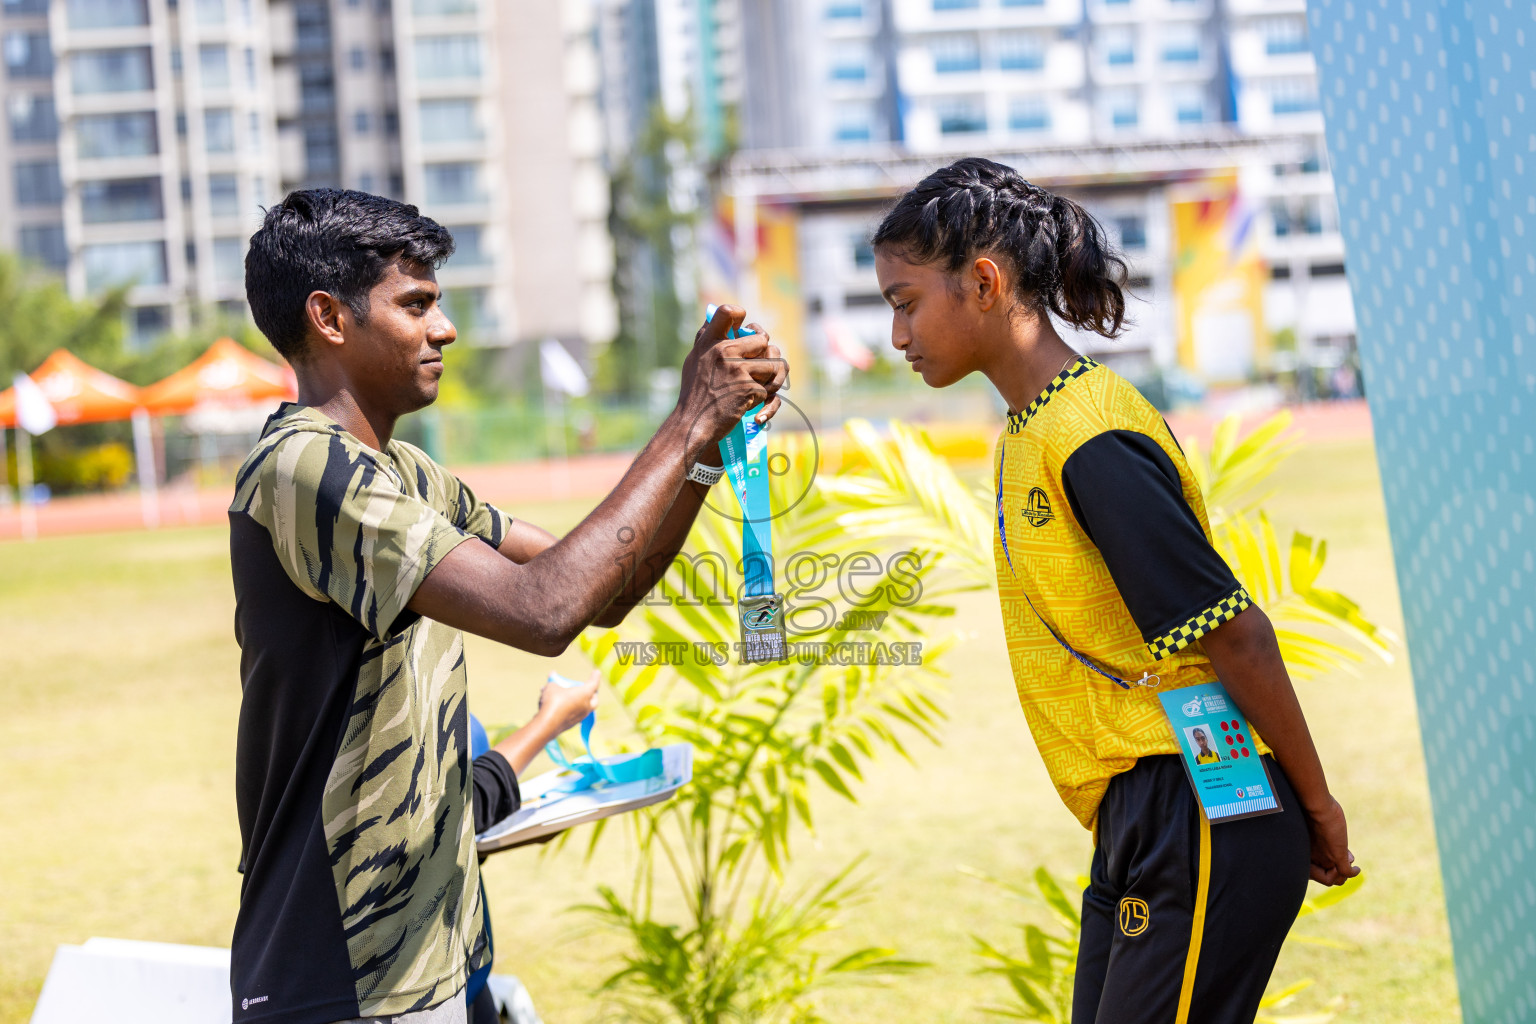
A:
[336,241]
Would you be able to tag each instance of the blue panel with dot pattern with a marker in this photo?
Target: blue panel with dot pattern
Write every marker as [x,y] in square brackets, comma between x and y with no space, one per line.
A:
[1431,112]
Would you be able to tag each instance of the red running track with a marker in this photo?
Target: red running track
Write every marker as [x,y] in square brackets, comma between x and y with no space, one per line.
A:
[587,477]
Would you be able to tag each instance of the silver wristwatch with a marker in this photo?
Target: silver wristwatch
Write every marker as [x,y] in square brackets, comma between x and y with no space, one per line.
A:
[706,475]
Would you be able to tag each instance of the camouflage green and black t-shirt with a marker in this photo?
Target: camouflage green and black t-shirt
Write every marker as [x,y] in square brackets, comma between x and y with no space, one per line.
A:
[361,891]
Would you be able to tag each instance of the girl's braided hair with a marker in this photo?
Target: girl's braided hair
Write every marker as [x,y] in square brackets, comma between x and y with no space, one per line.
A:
[1059,254]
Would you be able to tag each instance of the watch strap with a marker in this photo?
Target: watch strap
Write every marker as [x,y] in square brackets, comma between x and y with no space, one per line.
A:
[706,475]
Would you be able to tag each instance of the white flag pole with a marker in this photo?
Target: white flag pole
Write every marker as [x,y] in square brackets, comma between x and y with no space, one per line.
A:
[24,483]
[5,471]
[144,460]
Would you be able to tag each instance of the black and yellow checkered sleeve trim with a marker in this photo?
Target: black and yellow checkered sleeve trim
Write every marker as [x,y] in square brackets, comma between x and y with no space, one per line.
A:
[1180,637]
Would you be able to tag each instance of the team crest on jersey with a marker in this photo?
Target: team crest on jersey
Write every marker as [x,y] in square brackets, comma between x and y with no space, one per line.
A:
[1037,510]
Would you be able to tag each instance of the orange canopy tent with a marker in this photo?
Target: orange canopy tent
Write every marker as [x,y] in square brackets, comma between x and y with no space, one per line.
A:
[225,375]
[78,392]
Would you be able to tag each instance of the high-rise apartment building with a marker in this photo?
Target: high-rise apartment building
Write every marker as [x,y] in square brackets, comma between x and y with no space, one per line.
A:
[1122,103]
[483,115]
[139,141]
[142,138]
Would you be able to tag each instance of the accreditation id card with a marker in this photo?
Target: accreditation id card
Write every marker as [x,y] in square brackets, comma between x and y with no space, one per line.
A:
[1216,744]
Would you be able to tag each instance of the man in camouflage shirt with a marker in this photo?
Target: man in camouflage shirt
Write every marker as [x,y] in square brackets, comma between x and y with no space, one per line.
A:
[355,571]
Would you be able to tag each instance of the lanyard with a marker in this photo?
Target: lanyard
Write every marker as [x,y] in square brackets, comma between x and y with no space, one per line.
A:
[745,453]
[590,770]
[1002,533]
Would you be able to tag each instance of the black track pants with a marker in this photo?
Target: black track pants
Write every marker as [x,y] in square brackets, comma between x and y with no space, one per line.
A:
[1183,920]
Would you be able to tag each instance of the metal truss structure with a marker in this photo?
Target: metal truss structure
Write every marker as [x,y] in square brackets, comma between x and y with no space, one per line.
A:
[814,177]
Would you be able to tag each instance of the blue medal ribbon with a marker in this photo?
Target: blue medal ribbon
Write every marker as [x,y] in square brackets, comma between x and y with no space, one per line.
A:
[591,770]
[744,452]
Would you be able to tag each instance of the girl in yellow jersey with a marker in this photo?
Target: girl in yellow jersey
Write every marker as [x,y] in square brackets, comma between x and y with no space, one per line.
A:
[1111,594]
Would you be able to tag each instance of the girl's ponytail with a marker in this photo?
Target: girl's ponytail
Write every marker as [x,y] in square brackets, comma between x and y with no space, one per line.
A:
[1091,293]
[1059,255]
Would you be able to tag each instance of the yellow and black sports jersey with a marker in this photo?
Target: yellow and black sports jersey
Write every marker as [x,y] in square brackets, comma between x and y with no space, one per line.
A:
[1107,536]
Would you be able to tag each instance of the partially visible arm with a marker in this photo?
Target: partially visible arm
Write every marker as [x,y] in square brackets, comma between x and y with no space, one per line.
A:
[1247,660]
[669,541]
[525,541]
[495,772]
[541,606]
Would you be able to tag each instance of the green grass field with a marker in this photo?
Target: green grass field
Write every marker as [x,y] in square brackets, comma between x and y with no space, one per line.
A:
[120,695]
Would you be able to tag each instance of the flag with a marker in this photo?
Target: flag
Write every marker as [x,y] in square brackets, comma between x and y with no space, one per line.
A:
[845,345]
[559,370]
[34,413]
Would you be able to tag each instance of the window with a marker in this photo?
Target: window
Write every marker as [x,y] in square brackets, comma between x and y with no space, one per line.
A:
[444,6]
[1293,96]
[392,123]
[250,66]
[26,6]
[1020,51]
[452,183]
[1284,35]
[1119,47]
[1189,106]
[359,58]
[1023,3]
[365,182]
[449,121]
[44,243]
[959,115]
[141,263]
[863,252]
[107,13]
[312,28]
[210,12]
[955,5]
[850,63]
[448,57]
[38,183]
[105,136]
[959,53]
[1028,114]
[125,70]
[229,260]
[1297,217]
[253,130]
[146,323]
[851,10]
[1181,43]
[1123,107]
[360,122]
[317,89]
[224,195]
[1133,232]
[852,122]
[28,55]
[469,309]
[33,118]
[321,151]
[213,66]
[126,199]
[176,61]
[219,131]
[468,246]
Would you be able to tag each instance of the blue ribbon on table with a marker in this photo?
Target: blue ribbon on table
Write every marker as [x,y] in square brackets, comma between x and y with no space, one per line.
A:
[591,769]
